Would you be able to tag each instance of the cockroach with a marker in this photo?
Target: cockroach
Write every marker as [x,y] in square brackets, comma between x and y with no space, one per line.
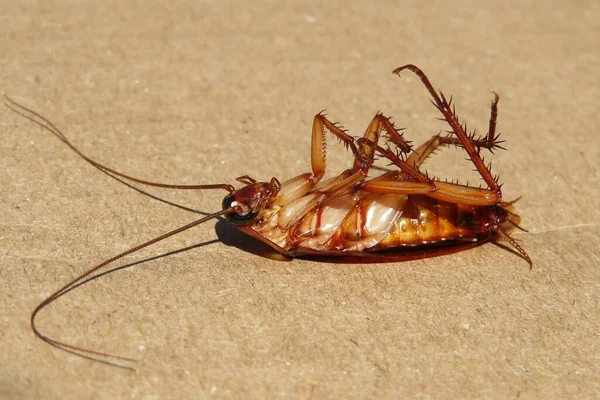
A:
[393,216]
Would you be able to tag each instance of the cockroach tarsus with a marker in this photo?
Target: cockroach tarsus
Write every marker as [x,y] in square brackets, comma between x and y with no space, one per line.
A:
[399,215]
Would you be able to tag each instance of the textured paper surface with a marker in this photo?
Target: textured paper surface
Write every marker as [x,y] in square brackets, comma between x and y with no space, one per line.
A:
[204,92]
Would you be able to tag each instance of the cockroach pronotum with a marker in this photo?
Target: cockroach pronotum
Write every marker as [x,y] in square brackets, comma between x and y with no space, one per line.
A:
[402,214]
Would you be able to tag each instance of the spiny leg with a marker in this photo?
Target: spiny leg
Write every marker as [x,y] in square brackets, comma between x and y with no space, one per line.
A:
[404,183]
[444,107]
[490,141]
[298,186]
[370,143]
[365,148]
[318,154]
[349,177]
[398,183]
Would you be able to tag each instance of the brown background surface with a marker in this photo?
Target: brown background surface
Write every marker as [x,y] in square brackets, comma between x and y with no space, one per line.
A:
[204,92]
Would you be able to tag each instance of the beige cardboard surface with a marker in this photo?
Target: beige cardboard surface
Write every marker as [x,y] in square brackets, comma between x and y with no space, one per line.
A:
[203,92]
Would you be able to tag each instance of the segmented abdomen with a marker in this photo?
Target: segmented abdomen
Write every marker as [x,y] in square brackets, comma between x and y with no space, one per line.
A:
[359,220]
[428,221]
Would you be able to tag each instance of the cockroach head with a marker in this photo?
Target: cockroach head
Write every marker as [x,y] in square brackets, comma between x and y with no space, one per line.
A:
[249,201]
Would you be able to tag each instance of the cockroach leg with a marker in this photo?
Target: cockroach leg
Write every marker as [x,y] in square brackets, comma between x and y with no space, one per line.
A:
[440,190]
[394,135]
[298,186]
[347,182]
[363,149]
[421,153]
[392,185]
[450,192]
[404,182]
[491,136]
[444,107]
[405,166]
[370,143]
[490,141]
[323,123]
[246,180]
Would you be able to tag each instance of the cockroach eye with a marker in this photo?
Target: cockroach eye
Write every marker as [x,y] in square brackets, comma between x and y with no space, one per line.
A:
[233,217]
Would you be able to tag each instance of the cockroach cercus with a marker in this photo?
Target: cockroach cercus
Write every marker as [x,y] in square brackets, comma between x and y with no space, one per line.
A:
[401,214]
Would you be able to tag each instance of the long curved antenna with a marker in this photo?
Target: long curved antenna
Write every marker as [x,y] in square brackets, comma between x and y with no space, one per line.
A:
[49,126]
[92,354]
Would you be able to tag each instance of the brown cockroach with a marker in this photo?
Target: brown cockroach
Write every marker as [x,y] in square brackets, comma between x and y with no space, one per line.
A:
[400,215]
